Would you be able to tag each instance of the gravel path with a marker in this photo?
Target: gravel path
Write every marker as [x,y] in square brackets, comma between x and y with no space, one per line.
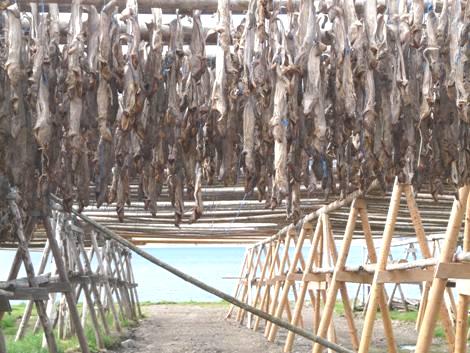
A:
[202,328]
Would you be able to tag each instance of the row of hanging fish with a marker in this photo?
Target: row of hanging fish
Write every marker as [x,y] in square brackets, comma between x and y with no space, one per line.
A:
[319,94]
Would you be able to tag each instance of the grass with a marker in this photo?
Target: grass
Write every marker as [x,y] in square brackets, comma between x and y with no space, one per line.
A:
[398,315]
[32,343]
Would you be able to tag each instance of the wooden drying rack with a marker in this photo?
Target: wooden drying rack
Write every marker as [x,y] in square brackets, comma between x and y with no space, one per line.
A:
[108,288]
[270,273]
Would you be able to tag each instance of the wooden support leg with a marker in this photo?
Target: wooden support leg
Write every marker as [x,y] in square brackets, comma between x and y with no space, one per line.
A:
[107,288]
[378,288]
[29,306]
[88,297]
[239,284]
[277,286]
[245,283]
[265,304]
[109,273]
[306,229]
[438,286]
[132,279]
[348,313]
[124,259]
[424,247]
[251,277]
[122,292]
[94,289]
[122,276]
[262,277]
[461,325]
[333,289]
[28,264]
[382,298]
[70,297]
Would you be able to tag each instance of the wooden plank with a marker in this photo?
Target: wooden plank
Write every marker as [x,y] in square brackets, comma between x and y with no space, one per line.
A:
[355,277]
[453,270]
[416,275]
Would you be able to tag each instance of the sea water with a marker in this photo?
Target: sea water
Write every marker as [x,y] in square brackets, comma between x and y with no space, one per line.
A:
[209,264]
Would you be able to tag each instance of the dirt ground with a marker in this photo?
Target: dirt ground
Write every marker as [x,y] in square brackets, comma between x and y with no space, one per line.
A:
[203,328]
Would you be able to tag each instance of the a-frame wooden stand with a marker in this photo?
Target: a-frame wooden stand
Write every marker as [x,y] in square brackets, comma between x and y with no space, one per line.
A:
[460,208]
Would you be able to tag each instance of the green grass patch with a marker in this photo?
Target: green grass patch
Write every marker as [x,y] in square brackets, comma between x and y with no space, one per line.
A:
[32,343]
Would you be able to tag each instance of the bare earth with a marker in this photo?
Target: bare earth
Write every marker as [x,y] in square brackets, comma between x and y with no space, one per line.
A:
[195,329]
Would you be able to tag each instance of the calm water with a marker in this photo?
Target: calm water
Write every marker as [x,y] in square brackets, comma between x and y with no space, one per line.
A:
[209,264]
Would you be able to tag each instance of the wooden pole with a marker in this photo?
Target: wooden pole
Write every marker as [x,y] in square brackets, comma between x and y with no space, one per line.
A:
[262,276]
[378,288]
[426,251]
[438,285]
[277,286]
[87,294]
[29,306]
[461,324]
[239,284]
[245,284]
[93,287]
[70,296]
[265,304]
[251,278]
[382,298]
[335,284]
[304,286]
[348,312]
[107,288]
[305,231]
[132,279]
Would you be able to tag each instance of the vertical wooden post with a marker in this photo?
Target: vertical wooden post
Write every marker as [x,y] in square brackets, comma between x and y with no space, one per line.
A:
[87,294]
[132,279]
[244,293]
[277,286]
[377,288]
[94,289]
[107,288]
[128,294]
[109,272]
[262,276]
[239,284]
[438,285]
[461,325]
[126,275]
[123,292]
[267,288]
[318,262]
[304,232]
[250,279]
[348,313]
[334,286]
[304,286]
[382,297]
